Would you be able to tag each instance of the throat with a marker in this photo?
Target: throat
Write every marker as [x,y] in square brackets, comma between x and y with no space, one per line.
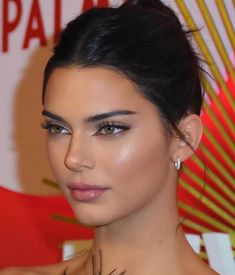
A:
[144,256]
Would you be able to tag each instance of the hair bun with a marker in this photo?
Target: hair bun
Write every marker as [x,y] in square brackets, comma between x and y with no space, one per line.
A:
[156,4]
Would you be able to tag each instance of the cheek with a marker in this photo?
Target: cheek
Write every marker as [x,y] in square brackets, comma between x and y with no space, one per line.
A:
[56,152]
[141,161]
[136,172]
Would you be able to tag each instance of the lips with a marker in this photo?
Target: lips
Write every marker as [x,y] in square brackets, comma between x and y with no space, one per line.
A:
[85,192]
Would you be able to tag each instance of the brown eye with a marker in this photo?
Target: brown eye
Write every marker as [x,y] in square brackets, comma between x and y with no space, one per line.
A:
[55,129]
[111,129]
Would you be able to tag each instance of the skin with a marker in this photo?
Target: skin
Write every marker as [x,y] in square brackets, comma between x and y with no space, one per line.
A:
[136,218]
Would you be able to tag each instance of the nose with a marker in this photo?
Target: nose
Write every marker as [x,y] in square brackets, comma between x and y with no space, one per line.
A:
[78,156]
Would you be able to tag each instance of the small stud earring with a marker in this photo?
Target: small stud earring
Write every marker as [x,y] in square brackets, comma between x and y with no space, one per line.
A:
[177,164]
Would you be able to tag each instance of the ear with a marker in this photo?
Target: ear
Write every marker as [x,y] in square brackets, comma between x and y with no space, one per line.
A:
[191,127]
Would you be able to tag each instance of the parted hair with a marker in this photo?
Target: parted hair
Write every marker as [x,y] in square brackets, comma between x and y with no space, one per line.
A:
[145,41]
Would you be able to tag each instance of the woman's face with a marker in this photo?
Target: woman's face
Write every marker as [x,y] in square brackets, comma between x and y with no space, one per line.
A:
[106,145]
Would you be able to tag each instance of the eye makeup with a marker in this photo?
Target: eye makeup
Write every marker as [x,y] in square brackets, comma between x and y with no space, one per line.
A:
[111,124]
[55,128]
[58,126]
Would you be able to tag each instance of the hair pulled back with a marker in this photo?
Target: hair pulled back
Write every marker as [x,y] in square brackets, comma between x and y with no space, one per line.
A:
[144,40]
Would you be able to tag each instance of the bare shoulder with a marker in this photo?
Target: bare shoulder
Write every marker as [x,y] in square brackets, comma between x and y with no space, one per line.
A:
[54,269]
[195,265]
[207,270]
[40,270]
[204,269]
[212,272]
[19,271]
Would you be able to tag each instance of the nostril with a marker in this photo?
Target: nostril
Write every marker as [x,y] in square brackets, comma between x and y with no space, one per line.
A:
[71,162]
[77,162]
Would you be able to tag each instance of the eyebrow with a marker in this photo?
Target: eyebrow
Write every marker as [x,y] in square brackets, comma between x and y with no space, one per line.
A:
[92,118]
[53,116]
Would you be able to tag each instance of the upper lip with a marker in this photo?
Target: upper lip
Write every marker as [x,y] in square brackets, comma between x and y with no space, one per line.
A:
[84,186]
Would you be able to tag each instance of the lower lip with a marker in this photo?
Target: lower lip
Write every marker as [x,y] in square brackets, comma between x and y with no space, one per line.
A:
[86,195]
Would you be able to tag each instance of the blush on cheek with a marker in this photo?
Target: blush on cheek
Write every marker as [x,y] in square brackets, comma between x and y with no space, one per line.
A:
[138,162]
[140,152]
[125,155]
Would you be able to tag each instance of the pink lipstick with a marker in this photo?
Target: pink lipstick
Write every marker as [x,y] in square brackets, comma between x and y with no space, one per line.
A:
[85,192]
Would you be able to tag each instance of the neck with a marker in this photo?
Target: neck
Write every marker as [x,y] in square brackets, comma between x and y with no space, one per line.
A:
[143,248]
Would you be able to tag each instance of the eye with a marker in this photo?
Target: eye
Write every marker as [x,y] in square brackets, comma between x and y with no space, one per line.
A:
[55,129]
[111,128]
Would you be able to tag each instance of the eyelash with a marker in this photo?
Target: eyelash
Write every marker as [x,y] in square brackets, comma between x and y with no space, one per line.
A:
[50,126]
[102,125]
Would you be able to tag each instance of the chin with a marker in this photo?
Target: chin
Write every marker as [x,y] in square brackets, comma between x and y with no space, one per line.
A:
[88,215]
[92,222]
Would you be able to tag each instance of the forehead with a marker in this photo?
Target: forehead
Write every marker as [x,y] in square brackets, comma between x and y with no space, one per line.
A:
[93,89]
